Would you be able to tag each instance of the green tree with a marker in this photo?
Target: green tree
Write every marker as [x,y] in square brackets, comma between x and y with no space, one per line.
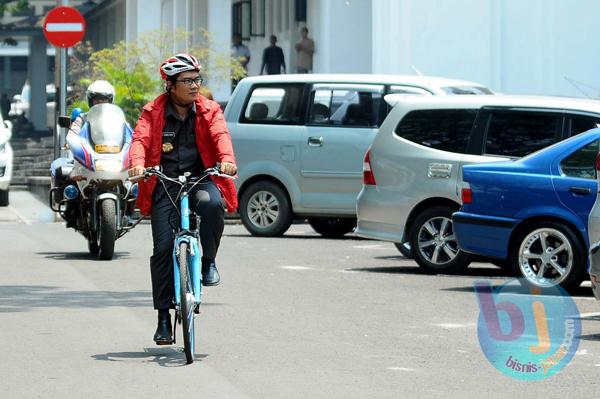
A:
[132,68]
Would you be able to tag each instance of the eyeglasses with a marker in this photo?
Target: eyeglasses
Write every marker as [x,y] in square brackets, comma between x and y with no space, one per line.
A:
[189,81]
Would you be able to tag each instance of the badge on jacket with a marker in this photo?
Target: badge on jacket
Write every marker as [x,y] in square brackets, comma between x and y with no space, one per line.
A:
[168,138]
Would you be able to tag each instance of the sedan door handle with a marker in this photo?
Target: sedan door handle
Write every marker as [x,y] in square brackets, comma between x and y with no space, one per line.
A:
[580,190]
[315,141]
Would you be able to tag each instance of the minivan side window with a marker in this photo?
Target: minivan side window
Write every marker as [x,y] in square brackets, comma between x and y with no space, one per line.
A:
[582,163]
[345,108]
[518,133]
[580,124]
[274,105]
[446,130]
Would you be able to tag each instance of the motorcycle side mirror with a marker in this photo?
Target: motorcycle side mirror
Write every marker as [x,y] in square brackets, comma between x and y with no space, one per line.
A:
[64,121]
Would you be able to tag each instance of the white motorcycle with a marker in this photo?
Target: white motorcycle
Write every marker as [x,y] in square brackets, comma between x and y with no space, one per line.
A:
[92,192]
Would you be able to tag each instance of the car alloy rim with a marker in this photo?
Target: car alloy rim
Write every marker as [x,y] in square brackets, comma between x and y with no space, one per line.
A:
[437,242]
[545,257]
[263,209]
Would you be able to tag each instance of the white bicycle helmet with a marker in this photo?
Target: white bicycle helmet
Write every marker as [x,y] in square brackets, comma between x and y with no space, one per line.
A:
[178,63]
[100,88]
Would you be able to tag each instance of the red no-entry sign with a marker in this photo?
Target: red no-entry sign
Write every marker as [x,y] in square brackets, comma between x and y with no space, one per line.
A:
[64,27]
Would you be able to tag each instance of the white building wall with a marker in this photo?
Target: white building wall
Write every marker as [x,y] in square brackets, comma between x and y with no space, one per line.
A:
[342,31]
[512,46]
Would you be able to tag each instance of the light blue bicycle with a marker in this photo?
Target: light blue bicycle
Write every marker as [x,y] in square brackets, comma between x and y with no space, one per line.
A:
[186,255]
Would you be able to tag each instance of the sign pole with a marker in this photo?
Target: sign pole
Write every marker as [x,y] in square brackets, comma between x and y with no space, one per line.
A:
[63,95]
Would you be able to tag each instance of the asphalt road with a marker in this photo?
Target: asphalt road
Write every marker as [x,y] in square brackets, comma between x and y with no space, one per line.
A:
[295,317]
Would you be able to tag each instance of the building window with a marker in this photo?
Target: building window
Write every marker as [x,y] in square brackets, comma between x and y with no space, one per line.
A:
[300,10]
[242,19]
[258,18]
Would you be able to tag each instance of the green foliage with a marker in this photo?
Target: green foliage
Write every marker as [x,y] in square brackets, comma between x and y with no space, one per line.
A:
[13,6]
[133,68]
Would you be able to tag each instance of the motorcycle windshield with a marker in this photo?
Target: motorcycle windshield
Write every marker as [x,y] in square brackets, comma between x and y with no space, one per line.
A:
[106,123]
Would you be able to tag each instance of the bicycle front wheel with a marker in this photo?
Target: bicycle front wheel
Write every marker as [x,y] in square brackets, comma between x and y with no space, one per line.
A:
[187,302]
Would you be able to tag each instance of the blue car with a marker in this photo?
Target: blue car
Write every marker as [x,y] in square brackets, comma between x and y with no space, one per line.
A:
[533,212]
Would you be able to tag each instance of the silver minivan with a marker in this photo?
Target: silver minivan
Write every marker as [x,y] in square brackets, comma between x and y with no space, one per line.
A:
[412,170]
[299,141]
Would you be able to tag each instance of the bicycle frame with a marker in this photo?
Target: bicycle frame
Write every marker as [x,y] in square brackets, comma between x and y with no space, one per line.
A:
[185,235]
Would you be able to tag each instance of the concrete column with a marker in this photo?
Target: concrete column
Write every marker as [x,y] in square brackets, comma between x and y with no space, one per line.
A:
[38,67]
[219,25]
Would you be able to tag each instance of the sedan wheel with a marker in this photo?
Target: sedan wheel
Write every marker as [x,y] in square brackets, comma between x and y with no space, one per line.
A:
[550,255]
[434,244]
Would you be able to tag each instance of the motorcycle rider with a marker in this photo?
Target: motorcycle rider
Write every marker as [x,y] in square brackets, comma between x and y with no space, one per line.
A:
[99,92]
[183,132]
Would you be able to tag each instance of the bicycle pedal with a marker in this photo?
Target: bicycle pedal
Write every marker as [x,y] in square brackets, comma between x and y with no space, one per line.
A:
[197,309]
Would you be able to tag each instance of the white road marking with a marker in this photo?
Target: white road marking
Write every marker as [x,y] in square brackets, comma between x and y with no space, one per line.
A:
[370,246]
[455,325]
[582,352]
[401,369]
[296,267]
[593,314]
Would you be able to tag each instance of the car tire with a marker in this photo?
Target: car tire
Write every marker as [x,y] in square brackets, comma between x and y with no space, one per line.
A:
[4,197]
[265,209]
[572,258]
[433,244]
[405,249]
[332,227]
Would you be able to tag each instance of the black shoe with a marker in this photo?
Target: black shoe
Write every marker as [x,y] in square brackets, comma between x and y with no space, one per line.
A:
[163,334]
[210,274]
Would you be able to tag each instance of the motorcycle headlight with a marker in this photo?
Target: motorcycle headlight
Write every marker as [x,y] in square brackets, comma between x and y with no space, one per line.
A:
[109,165]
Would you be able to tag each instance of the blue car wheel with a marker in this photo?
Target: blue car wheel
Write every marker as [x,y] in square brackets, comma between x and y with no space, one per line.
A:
[547,254]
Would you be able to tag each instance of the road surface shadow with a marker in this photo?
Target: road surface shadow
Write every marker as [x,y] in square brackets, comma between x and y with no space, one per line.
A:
[171,356]
[23,298]
[80,255]
[471,272]
[300,237]
[574,292]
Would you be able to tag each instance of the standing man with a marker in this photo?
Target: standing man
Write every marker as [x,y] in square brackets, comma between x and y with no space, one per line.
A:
[305,49]
[273,58]
[183,132]
[240,52]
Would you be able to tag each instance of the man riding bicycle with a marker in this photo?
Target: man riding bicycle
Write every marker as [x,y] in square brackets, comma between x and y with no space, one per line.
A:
[183,132]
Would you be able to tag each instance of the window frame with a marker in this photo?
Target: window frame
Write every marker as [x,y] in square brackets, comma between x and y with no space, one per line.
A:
[302,106]
[364,87]
[471,134]
[487,116]
[560,163]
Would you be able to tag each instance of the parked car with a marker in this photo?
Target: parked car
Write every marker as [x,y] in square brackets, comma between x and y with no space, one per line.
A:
[533,212]
[411,172]
[300,141]
[594,239]
[20,104]
[6,160]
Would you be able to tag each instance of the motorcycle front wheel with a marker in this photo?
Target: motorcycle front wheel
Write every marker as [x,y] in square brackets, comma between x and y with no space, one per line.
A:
[108,228]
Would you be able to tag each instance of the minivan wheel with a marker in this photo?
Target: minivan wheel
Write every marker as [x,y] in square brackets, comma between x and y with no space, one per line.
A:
[547,254]
[332,227]
[265,209]
[405,249]
[434,244]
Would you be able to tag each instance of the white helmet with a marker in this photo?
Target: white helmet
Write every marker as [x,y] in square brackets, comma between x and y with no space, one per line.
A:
[102,89]
[179,63]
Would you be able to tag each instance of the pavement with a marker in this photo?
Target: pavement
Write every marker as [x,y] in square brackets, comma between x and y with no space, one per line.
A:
[297,316]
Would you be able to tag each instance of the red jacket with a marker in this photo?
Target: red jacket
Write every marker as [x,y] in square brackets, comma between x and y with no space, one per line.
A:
[212,139]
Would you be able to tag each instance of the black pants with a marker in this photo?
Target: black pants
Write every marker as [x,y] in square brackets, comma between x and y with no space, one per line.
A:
[206,201]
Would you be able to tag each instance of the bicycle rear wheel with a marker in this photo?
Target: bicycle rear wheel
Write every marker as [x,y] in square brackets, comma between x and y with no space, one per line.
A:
[187,302]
